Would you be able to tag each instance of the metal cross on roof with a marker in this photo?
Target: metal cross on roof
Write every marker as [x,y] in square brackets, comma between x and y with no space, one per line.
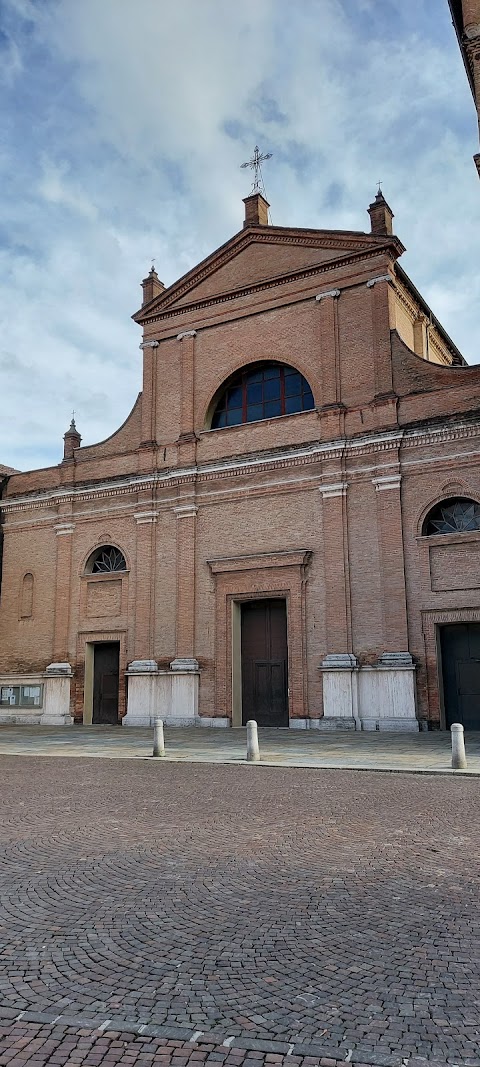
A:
[255,164]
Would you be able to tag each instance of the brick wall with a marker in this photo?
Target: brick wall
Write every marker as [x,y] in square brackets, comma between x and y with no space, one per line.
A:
[344,485]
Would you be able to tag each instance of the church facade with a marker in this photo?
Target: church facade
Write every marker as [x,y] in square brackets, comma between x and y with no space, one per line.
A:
[287,525]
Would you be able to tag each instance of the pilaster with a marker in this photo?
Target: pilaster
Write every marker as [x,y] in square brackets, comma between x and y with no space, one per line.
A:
[382,355]
[63,534]
[392,563]
[149,393]
[331,409]
[337,584]
[145,518]
[186,515]
[187,441]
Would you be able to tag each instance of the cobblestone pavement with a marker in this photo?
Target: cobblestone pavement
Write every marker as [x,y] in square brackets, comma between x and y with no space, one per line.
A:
[166,912]
[295,748]
[36,1045]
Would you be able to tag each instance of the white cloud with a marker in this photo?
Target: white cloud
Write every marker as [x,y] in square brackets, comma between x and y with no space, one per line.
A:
[128,125]
[56,186]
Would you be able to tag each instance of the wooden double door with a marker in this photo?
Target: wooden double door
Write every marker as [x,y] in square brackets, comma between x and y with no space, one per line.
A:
[460,644]
[106,676]
[264,662]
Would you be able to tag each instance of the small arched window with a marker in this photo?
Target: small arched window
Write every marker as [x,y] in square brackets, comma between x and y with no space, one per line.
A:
[105,560]
[457,515]
[262,391]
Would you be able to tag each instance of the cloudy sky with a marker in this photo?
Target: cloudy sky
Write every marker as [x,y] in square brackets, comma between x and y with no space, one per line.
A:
[122,129]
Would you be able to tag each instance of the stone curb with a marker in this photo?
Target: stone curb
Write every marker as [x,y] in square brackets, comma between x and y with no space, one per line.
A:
[338,1055]
[238,762]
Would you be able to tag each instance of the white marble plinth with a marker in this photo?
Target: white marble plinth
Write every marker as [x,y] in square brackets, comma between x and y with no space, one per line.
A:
[213,720]
[378,697]
[56,701]
[386,694]
[168,695]
[142,709]
[183,698]
[340,695]
[20,717]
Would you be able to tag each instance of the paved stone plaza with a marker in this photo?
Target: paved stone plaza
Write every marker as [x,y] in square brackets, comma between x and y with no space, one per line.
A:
[429,752]
[158,912]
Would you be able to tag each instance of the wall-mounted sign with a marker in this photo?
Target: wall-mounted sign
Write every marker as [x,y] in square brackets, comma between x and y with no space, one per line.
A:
[21,696]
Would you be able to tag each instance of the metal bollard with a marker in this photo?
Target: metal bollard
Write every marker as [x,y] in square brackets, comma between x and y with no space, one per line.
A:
[253,751]
[158,739]
[459,759]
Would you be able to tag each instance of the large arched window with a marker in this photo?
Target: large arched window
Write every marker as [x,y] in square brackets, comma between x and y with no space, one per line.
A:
[105,560]
[457,515]
[262,391]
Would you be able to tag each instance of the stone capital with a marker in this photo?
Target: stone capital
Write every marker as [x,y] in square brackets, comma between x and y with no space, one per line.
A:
[335,489]
[185,511]
[64,528]
[331,292]
[387,481]
[145,516]
[187,333]
[149,344]
[381,278]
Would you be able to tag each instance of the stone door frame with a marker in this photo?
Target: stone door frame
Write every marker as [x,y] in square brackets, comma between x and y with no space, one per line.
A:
[280,575]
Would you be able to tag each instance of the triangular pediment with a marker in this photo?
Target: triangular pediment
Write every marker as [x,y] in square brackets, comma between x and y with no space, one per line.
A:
[263,255]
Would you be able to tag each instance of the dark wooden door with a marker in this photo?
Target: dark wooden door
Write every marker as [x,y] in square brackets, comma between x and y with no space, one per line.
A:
[105,683]
[264,662]
[461,673]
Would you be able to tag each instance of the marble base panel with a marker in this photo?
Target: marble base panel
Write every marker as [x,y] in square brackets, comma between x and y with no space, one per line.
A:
[17,717]
[379,697]
[335,723]
[56,701]
[168,695]
[387,697]
[213,720]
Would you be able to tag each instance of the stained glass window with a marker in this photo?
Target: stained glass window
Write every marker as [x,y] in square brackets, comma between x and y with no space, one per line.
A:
[262,392]
[453,516]
[106,559]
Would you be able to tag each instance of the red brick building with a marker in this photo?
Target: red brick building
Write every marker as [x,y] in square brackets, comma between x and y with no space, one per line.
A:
[286,527]
[466,20]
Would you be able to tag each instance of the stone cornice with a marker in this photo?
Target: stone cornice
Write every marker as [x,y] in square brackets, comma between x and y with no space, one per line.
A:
[405,299]
[238,466]
[228,467]
[424,435]
[174,309]
[360,243]
[297,557]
